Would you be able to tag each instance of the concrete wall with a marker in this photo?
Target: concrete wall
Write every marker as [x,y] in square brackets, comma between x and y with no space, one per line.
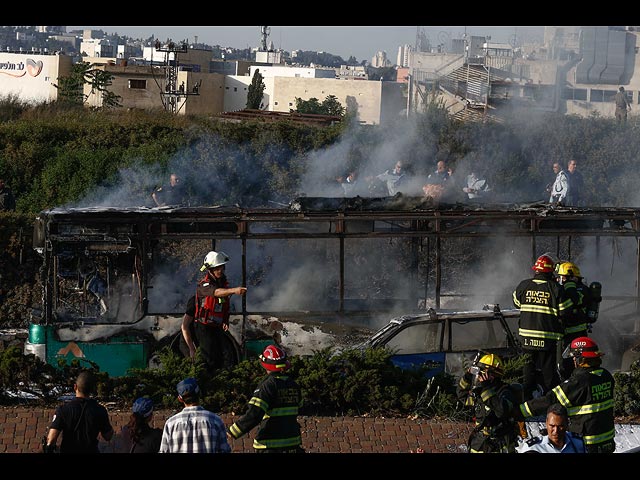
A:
[367,94]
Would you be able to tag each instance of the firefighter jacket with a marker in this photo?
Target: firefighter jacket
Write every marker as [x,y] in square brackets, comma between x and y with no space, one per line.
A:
[274,405]
[542,302]
[211,310]
[576,321]
[588,396]
[494,404]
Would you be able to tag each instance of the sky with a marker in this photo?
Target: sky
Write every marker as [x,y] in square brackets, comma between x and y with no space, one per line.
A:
[360,41]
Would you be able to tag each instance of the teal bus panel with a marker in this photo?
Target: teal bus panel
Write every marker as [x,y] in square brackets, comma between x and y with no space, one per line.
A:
[114,356]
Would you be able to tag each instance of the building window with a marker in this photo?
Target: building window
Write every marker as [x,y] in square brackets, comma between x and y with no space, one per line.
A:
[597,95]
[235,89]
[139,84]
[574,94]
[609,95]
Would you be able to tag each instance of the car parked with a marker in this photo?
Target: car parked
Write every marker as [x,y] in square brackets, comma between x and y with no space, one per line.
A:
[446,340]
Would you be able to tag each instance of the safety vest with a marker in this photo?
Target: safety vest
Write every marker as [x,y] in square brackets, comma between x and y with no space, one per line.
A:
[211,310]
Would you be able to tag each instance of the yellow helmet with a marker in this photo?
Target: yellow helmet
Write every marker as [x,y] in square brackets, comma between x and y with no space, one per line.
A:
[492,363]
[568,269]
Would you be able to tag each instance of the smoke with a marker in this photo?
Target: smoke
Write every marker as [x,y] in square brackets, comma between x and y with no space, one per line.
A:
[303,275]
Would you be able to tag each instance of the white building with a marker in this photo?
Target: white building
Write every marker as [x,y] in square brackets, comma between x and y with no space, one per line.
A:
[31,77]
[404,52]
[380,60]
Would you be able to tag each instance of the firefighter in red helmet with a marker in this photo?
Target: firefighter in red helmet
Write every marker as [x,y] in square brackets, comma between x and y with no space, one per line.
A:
[274,406]
[587,395]
[542,303]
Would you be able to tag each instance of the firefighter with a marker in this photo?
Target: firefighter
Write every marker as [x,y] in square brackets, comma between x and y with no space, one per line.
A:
[207,313]
[542,302]
[587,395]
[577,321]
[482,387]
[274,406]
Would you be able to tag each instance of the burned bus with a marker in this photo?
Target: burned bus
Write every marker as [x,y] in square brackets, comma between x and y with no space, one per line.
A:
[320,272]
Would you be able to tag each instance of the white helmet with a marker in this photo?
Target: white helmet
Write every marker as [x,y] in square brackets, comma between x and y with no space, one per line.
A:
[214,259]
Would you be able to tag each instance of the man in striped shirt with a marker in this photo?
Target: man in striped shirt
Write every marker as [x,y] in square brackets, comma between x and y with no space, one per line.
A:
[194,429]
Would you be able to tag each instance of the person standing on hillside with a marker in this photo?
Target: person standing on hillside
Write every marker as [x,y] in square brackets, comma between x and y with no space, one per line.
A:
[622,105]
[173,194]
[80,420]
[559,190]
[7,200]
[576,184]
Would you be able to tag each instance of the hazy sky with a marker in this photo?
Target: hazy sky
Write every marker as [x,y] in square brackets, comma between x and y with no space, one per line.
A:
[360,41]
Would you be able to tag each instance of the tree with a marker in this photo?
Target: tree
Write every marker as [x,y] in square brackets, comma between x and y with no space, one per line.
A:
[330,106]
[256,91]
[71,87]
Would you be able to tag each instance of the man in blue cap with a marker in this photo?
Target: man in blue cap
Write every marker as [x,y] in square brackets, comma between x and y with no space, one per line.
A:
[194,429]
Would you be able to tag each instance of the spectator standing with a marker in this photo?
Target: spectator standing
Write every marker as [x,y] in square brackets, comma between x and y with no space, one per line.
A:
[393,178]
[207,313]
[7,200]
[172,194]
[477,188]
[555,438]
[138,436]
[622,105]
[348,183]
[587,395]
[274,406]
[560,187]
[576,184]
[542,302]
[80,420]
[194,429]
[437,182]
[493,401]
[441,175]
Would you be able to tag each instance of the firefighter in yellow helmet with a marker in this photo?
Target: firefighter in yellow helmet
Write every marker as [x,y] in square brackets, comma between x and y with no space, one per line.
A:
[577,320]
[493,402]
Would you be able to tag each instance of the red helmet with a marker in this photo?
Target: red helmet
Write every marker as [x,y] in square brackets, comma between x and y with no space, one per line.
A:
[582,347]
[544,264]
[274,359]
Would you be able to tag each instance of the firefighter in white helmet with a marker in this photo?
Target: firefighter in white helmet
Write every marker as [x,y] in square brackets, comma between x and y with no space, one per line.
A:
[207,313]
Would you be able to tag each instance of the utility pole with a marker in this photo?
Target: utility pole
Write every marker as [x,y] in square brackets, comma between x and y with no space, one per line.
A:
[172,94]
